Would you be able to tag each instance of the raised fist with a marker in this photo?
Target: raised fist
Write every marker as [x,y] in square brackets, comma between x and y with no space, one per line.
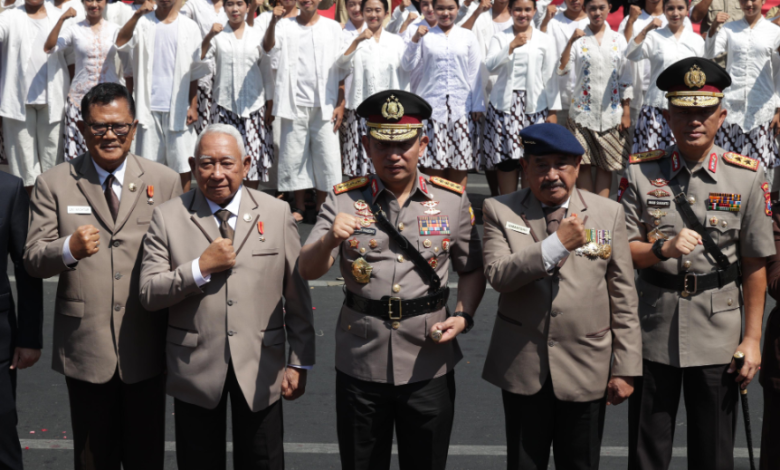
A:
[84,242]
[278,11]
[218,257]
[655,24]
[421,31]
[551,11]
[145,8]
[343,227]
[634,12]
[69,14]
[571,232]
[578,33]
[216,28]
[720,18]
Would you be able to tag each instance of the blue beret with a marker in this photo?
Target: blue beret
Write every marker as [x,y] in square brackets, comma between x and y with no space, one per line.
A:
[546,139]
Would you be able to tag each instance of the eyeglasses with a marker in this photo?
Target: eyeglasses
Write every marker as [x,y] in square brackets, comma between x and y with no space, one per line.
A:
[100,129]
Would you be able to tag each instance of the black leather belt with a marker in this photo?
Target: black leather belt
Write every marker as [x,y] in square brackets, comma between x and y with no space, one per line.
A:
[394,309]
[691,283]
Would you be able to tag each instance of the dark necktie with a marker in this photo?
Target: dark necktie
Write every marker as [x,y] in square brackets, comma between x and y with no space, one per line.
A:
[224,227]
[111,198]
[553,216]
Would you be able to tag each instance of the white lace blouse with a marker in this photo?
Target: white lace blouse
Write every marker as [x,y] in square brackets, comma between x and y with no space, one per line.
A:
[449,67]
[374,67]
[752,98]
[604,77]
[95,53]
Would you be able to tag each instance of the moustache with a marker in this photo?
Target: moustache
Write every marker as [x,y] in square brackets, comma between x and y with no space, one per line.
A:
[553,184]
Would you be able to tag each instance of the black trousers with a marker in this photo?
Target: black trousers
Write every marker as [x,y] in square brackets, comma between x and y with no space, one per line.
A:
[118,425]
[422,412]
[10,450]
[534,422]
[201,433]
[770,432]
[711,398]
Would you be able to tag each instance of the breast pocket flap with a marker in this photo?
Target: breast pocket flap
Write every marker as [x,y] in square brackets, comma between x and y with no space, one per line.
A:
[266,252]
[273,337]
[182,337]
[726,300]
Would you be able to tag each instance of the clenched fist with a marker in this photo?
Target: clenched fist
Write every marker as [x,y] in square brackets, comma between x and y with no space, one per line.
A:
[551,11]
[365,34]
[634,12]
[71,13]
[145,8]
[578,33]
[404,4]
[216,28]
[485,5]
[421,31]
[519,41]
[343,227]
[84,242]
[571,233]
[720,18]
[655,24]
[683,244]
[218,257]
[278,12]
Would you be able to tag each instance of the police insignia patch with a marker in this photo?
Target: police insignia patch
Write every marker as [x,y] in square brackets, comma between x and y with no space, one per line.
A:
[354,183]
[646,156]
[447,184]
[434,225]
[659,182]
[741,161]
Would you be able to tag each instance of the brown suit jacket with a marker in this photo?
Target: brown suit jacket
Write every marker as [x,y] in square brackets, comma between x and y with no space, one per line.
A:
[99,324]
[570,323]
[242,314]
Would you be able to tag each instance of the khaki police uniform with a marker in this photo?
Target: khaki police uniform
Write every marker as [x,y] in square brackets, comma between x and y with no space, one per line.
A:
[689,336]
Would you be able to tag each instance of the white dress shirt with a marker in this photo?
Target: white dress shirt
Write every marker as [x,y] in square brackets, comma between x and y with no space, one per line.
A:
[327,45]
[203,13]
[416,74]
[118,13]
[398,17]
[15,52]
[450,66]
[661,49]
[374,67]
[561,28]
[553,250]
[188,68]
[96,57]
[752,98]
[119,179]
[604,78]
[349,33]
[240,83]
[642,68]
[530,67]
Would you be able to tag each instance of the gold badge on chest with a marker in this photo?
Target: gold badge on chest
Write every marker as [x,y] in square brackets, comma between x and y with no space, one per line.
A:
[598,244]
[361,270]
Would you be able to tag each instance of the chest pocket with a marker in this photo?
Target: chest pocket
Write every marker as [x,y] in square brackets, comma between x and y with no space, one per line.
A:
[434,246]
[720,223]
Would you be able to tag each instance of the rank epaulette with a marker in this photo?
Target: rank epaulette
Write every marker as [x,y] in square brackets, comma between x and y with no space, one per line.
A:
[447,184]
[646,156]
[741,161]
[354,183]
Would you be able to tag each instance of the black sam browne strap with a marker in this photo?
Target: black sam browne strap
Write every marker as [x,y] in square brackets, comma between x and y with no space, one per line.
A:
[425,269]
[690,219]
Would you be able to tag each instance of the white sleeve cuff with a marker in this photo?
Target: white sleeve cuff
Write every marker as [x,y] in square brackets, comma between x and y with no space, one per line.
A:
[67,256]
[300,367]
[200,279]
[553,251]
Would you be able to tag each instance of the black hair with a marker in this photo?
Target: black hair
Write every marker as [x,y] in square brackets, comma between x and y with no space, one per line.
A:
[512,3]
[106,93]
[363,5]
[457,2]
[585,3]
[687,3]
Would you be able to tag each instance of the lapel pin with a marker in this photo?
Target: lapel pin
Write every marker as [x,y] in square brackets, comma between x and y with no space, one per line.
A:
[247,218]
[260,230]
[131,187]
[149,193]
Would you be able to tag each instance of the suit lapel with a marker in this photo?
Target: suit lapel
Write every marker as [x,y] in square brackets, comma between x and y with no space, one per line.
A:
[533,215]
[243,227]
[89,184]
[202,216]
[129,199]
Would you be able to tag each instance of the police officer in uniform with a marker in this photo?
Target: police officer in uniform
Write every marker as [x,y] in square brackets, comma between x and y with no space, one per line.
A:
[699,228]
[395,235]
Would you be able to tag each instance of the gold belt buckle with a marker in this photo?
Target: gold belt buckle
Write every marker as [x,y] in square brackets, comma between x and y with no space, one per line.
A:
[390,308]
[686,291]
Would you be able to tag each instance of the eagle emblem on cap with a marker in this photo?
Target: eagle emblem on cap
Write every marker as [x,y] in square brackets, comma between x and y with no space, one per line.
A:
[695,78]
[392,109]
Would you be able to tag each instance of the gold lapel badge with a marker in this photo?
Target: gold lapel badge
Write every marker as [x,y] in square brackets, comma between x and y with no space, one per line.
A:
[361,270]
[131,187]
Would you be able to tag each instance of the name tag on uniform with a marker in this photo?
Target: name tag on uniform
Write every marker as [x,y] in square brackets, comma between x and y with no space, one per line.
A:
[657,203]
[79,210]
[518,228]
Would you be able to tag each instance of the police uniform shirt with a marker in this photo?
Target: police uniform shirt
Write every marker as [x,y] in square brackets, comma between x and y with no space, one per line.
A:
[439,223]
[704,328]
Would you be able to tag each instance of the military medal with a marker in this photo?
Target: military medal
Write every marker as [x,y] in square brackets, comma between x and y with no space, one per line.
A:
[714,221]
[726,202]
[361,270]
[658,193]
[433,225]
[656,235]
[427,243]
[361,205]
[657,213]
[767,199]
[445,244]
[622,188]
[659,182]
[354,243]
[365,213]
[366,221]
[150,194]
[430,205]
[373,243]
[598,245]
[433,262]
[260,230]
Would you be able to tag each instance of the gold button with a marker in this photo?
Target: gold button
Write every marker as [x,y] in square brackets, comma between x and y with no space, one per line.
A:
[657,222]
[400,258]
[729,302]
[401,227]
[397,288]
[435,249]
[396,325]
[691,200]
[724,224]
[687,264]
[362,250]
[349,327]
[427,243]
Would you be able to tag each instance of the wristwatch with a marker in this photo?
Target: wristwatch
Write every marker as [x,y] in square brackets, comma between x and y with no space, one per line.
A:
[657,249]
[469,321]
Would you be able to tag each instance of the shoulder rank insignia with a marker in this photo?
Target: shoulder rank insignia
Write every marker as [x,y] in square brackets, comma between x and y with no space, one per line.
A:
[741,160]
[354,183]
[447,184]
[646,156]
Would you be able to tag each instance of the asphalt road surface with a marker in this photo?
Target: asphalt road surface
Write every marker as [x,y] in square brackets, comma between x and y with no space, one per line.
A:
[478,440]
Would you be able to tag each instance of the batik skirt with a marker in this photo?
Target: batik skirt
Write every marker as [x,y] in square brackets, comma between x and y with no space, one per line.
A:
[258,139]
[354,159]
[452,144]
[72,139]
[501,138]
[608,150]
[652,131]
[758,143]
[205,97]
